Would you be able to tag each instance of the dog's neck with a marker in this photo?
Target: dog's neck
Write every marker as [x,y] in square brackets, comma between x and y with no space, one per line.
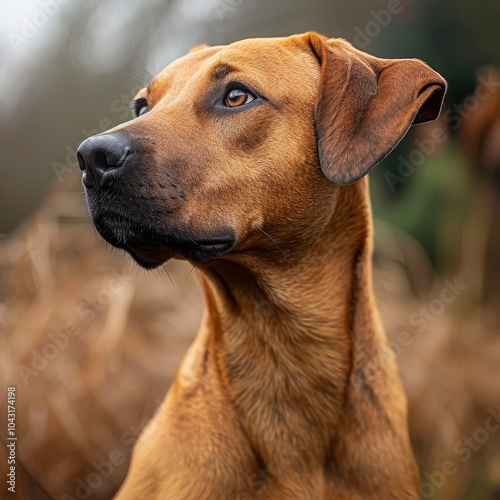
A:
[279,330]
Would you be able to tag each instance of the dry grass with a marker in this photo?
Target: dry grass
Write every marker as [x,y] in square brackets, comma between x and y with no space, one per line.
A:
[122,331]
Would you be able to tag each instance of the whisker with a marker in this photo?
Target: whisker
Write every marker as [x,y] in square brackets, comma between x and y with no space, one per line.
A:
[192,269]
[144,79]
[168,274]
[138,71]
[263,232]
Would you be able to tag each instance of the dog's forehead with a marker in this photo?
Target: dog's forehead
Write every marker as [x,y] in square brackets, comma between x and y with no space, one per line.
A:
[180,71]
[265,56]
[262,58]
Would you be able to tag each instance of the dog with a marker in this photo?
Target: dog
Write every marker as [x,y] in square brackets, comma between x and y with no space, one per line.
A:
[250,160]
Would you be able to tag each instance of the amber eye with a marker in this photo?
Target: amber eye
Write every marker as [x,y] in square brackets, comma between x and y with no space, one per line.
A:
[238,97]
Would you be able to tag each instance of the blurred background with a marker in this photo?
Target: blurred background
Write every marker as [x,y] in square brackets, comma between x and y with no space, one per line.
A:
[91,342]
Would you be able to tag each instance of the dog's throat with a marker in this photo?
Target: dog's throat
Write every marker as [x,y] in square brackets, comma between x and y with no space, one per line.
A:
[282,349]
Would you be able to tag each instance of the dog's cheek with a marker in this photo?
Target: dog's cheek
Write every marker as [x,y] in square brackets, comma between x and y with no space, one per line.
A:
[249,130]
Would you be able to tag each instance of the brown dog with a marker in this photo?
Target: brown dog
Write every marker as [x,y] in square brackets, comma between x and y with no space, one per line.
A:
[244,159]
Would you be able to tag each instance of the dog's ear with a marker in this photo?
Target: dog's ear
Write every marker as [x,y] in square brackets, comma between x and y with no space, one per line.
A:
[196,48]
[366,105]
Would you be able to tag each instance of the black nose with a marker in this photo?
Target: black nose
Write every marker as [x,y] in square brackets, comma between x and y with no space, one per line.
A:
[100,156]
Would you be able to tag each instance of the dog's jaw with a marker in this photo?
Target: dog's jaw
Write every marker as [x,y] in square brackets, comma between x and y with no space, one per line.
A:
[153,240]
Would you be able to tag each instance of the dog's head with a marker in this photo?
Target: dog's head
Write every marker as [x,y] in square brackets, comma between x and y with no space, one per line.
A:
[232,144]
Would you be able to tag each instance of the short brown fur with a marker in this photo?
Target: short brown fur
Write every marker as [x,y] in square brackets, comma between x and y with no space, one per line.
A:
[290,390]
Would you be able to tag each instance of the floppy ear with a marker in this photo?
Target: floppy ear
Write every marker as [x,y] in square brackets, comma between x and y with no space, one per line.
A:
[196,48]
[366,105]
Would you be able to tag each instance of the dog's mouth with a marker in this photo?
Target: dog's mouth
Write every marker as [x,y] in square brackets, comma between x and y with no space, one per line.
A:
[152,254]
[148,255]
[151,247]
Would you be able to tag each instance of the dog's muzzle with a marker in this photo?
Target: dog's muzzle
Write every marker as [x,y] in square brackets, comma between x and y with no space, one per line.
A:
[131,212]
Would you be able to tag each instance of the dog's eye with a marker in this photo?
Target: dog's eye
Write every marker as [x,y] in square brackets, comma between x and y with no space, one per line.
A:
[139,106]
[238,97]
